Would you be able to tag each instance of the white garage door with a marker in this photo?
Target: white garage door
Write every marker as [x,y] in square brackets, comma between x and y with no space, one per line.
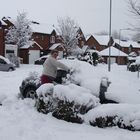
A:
[33,55]
[112,60]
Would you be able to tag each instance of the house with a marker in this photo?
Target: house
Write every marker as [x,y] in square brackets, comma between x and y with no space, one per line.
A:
[128,46]
[93,43]
[97,42]
[116,56]
[2,39]
[44,36]
[81,38]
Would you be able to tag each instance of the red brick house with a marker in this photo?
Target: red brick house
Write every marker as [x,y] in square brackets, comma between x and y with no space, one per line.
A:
[1,41]
[81,38]
[116,56]
[2,35]
[128,46]
[97,42]
[43,34]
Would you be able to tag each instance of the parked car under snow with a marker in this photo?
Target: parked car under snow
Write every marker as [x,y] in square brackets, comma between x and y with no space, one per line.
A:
[6,65]
[41,60]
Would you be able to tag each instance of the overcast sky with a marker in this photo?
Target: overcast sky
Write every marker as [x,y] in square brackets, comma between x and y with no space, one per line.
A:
[91,15]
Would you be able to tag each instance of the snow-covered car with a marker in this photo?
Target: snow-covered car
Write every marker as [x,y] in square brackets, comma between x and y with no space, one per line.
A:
[6,65]
[30,84]
[41,60]
[133,63]
[59,98]
[133,67]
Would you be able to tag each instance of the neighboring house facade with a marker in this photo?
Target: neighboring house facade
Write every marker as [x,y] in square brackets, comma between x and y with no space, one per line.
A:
[92,43]
[128,46]
[43,34]
[116,56]
[2,37]
[81,38]
[97,42]
[2,47]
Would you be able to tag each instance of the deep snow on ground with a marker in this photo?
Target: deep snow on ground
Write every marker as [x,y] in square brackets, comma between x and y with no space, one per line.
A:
[19,119]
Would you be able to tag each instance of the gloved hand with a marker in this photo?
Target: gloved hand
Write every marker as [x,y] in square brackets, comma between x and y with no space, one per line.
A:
[71,70]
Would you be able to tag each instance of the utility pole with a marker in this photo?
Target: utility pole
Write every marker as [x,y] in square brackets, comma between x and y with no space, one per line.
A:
[109,44]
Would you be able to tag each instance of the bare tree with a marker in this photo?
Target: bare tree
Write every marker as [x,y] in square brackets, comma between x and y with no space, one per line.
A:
[68,30]
[136,37]
[134,7]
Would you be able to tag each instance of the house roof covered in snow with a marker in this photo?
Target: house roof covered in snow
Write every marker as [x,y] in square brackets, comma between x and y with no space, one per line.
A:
[127,43]
[88,36]
[36,27]
[102,39]
[114,52]
[54,46]
[42,28]
[2,22]
[31,43]
[9,18]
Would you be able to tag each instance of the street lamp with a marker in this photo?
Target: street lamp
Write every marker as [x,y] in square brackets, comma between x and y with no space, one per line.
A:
[110,13]
[130,29]
[122,30]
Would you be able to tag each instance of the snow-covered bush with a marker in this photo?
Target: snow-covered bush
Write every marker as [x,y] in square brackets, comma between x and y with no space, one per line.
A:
[66,102]
[45,102]
[125,116]
[90,57]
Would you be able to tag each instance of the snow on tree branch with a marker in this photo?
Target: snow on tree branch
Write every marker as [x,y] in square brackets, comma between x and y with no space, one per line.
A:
[21,32]
[68,30]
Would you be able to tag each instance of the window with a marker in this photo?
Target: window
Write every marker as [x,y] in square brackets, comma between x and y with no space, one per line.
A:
[10,51]
[2,61]
[130,49]
[82,43]
[42,37]
[52,39]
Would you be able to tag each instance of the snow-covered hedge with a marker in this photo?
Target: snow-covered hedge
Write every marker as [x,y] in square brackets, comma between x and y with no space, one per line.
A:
[125,116]
[65,102]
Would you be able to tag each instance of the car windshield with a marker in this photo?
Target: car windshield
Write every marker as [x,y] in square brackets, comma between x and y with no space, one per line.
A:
[5,59]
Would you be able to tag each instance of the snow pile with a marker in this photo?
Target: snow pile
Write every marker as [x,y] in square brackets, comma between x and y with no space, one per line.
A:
[87,75]
[124,87]
[45,89]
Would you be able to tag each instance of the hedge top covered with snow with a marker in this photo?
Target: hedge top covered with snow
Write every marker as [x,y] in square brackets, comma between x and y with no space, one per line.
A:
[70,93]
[129,113]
